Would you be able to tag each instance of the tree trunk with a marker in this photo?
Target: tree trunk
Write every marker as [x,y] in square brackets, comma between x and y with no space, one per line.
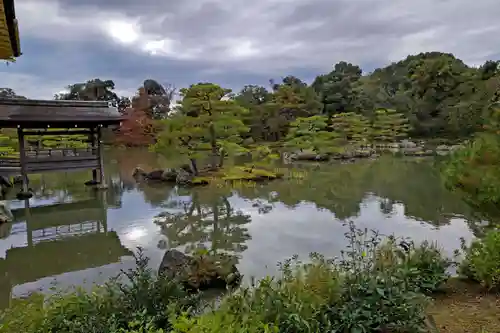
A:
[213,143]
[194,166]
[221,158]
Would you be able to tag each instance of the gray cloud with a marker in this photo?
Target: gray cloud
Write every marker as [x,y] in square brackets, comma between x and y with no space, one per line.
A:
[233,41]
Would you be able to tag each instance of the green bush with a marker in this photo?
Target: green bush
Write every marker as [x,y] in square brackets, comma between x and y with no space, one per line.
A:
[482,260]
[474,172]
[296,302]
[376,300]
[362,291]
[425,265]
[141,299]
[348,294]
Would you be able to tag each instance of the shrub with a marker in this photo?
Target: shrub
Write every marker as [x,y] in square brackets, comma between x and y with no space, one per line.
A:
[362,291]
[425,265]
[482,260]
[141,299]
[473,171]
[348,294]
[296,302]
[376,300]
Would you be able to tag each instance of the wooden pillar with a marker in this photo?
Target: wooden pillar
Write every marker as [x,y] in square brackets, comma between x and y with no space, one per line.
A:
[103,221]
[93,146]
[100,150]
[22,158]
[29,227]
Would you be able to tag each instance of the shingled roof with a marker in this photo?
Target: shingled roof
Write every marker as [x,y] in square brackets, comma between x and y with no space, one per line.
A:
[30,113]
[9,33]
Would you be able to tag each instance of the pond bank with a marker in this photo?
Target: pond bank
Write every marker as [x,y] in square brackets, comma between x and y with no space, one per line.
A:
[465,307]
[382,277]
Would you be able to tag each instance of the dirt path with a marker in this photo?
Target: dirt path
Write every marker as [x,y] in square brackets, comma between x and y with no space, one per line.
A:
[465,308]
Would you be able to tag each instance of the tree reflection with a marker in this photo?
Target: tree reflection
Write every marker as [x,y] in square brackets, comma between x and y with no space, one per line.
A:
[341,188]
[205,220]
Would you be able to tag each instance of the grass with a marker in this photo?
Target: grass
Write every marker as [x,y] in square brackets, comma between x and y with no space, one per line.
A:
[465,307]
[236,174]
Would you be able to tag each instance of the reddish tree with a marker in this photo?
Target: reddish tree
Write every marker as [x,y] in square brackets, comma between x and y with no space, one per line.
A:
[137,129]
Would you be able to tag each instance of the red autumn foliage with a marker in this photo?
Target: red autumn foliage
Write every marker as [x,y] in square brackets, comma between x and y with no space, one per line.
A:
[137,129]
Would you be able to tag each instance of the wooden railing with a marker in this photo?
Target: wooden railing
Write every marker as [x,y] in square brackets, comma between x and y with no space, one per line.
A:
[53,159]
[10,162]
[61,152]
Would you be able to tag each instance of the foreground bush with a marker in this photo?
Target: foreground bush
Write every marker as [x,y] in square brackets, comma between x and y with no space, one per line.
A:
[425,265]
[482,260]
[474,170]
[370,288]
[350,294]
[297,302]
[141,300]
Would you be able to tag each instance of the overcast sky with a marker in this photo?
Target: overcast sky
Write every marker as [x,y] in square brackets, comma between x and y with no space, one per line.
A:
[234,42]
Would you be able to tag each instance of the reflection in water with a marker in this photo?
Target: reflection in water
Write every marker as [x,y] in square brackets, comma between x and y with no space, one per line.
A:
[59,238]
[67,233]
[205,222]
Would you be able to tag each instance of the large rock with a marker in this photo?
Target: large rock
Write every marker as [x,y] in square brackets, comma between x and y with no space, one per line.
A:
[408,144]
[5,212]
[168,175]
[363,152]
[18,180]
[200,272]
[412,151]
[308,155]
[181,176]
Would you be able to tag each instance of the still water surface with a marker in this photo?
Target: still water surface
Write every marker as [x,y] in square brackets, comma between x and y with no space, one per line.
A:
[70,235]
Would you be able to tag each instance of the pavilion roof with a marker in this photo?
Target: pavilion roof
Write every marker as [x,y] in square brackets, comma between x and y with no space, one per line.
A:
[31,113]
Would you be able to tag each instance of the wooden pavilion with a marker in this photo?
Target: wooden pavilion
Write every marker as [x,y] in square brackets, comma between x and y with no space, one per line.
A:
[35,117]
[9,34]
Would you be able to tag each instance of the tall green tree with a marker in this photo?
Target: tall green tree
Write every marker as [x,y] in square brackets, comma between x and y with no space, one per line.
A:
[9,93]
[92,90]
[259,118]
[336,88]
[208,123]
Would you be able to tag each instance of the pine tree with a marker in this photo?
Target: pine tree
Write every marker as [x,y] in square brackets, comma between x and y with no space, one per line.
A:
[207,124]
[389,126]
[312,133]
[352,127]
[8,145]
[59,141]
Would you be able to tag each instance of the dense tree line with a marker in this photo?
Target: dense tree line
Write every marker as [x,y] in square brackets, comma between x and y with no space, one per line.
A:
[438,94]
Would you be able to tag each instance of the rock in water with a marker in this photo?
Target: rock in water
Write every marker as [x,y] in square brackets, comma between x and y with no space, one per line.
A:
[5,182]
[5,212]
[139,173]
[169,175]
[173,263]
[155,175]
[18,180]
[183,177]
[200,272]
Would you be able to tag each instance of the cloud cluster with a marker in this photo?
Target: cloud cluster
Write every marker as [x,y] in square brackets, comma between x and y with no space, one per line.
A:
[236,42]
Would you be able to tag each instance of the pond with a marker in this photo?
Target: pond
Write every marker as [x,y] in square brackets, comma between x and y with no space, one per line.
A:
[68,235]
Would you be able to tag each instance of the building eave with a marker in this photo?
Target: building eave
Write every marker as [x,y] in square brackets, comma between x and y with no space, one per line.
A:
[9,32]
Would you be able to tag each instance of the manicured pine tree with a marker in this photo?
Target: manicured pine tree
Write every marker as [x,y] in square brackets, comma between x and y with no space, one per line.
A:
[312,133]
[207,124]
[353,128]
[389,126]
[8,145]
